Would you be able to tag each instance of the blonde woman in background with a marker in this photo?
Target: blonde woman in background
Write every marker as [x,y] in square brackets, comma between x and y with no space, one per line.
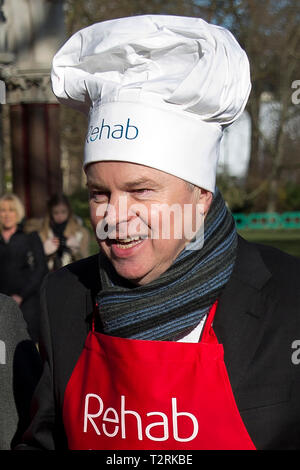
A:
[63,235]
[22,261]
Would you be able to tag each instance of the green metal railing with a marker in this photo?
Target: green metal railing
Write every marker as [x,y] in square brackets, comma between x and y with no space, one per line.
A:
[268,220]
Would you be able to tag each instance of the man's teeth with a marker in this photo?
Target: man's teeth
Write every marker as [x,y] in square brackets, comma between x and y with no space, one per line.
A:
[128,242]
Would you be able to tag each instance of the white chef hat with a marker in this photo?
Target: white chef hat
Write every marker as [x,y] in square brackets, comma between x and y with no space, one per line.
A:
[158,91]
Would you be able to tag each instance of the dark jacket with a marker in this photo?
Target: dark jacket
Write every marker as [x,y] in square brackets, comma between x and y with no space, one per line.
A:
[20,369]
[23,267]
[257,320]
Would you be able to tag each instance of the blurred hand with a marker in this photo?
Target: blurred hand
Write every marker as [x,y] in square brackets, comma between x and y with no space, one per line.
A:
[51,245]
[73,243]
[17,299]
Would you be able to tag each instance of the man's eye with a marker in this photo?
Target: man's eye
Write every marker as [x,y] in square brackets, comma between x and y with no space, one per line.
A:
[98,196]
[141,191]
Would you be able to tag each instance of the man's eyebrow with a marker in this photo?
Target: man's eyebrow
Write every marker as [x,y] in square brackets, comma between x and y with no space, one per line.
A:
[96,184]
[139,182]
[126,185]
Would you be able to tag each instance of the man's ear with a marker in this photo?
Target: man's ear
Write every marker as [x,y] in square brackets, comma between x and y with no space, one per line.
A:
[203,197]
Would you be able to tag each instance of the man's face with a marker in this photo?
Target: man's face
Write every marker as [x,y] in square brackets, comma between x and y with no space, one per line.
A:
[132,203]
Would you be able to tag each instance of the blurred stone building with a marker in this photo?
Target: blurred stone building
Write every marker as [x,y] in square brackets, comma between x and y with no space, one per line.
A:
[31,31]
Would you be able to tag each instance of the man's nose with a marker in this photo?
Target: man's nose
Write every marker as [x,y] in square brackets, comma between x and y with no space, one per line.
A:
[117,210]
[119,217]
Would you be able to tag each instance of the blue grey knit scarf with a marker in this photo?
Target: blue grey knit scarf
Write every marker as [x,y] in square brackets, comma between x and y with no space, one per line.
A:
[169,307]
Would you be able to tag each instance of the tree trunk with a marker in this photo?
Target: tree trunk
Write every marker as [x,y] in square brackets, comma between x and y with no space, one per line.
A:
[35,154]
[253,168]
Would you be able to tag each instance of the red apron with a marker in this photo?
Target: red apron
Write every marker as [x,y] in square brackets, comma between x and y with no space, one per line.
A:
[137,394]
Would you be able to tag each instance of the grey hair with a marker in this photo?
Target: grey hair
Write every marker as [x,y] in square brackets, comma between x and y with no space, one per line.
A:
[190,186]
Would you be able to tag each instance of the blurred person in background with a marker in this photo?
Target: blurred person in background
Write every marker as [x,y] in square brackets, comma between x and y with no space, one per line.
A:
[22,260]
[20,369]
[64,238]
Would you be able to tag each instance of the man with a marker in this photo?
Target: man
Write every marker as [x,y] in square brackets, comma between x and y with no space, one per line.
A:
[180,335]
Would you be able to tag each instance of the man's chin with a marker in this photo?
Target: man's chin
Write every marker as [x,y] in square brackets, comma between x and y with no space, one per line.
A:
[133,278]
[137,276]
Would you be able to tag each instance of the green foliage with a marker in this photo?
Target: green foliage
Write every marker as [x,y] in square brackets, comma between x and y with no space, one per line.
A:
[289,197]
[285,240]
[233,192]
[80,205]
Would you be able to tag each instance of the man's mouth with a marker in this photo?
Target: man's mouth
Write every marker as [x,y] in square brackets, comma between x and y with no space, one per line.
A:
[126,243]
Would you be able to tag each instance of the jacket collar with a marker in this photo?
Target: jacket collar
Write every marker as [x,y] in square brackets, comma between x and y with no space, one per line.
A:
[242,314]
[250,267]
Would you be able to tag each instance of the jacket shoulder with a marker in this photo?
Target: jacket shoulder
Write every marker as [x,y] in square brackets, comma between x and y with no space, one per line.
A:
[11,318]
[67,300]
[7,304]
[259,265]
[82,274]
[285,274]
[283,266]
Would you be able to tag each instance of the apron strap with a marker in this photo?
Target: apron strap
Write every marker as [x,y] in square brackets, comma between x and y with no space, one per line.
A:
[208,334]
[95,312]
